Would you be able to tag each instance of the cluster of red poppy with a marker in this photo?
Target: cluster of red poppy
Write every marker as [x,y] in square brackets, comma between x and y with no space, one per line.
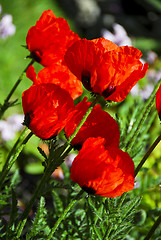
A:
[103,68]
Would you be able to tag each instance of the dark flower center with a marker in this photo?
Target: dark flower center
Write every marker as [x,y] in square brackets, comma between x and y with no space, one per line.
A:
[27,120]
[89,190]
[160,115]
[86,80]
[50,138]
[77,147]
[36,55]
[108,91]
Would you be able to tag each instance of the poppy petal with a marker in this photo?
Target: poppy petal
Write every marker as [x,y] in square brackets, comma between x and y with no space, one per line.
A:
[98,123]
[105,172]
[46,108]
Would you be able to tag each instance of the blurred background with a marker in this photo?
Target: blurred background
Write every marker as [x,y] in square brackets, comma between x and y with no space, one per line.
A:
[131,22]
[134,22]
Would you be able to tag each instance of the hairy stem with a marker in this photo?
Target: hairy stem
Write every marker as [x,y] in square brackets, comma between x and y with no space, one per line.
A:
[154,227]
[36,195]
[7,103]
[147,155]
[84,118]
[131,138]
[121,200]
[13,155]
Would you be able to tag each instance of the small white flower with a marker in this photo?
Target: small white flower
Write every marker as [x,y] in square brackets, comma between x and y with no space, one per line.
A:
[119,36]
[16,121]
[151,57]
[153,75]
[135,90]
[9,127]
[69,159]
[89,11]
[7,28]
[136,184]
[146,92]
[6,131]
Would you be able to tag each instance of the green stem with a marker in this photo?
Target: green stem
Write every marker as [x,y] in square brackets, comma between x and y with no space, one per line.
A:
[154,227]
[14,153]
[131,138]
[6,103]
[147,154]
[59,151]
[53,164]
[64,214]
[45,178]
[84,118]
[107,233]
[36,194]
[122,198]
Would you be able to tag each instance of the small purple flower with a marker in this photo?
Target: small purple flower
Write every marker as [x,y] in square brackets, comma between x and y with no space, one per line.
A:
[69,159]
[135,90]
[136,183]
[151,57]
[147,91]
[144,93]
[153,76]
[119,36]
[10,126]
[7,28]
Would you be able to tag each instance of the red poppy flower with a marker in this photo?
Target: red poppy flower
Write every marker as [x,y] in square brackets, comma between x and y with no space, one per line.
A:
[46,108]
[105,172]
[98,123]
[58,74]
[105,68]
[158,101]
[49,38]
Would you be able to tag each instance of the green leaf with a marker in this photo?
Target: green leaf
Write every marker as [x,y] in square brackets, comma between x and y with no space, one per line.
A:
[34,168]
[58,203]
[14,210]
[2,202]
[39,227]
[42,152]
[94,208]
